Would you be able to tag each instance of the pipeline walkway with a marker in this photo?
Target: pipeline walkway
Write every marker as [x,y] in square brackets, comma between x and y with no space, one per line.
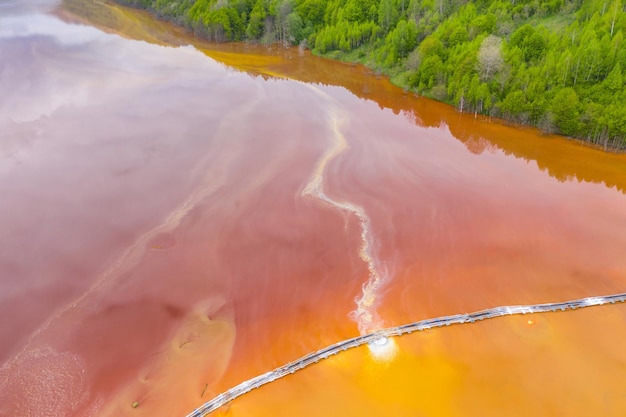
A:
[381,335]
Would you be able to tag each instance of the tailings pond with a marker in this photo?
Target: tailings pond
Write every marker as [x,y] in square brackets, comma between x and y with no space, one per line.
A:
[177,217]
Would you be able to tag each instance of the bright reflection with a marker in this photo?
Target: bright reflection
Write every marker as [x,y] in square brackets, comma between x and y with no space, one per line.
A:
[383,349]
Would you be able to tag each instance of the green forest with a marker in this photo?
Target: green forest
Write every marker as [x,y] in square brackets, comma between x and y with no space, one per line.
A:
[557,65]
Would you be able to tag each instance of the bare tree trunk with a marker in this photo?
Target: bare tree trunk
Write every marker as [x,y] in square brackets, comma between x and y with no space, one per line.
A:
[590,70]
[577,67]
[613,22]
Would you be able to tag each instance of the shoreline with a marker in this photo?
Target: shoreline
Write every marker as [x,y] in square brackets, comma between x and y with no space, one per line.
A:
[303,66]
[181,33]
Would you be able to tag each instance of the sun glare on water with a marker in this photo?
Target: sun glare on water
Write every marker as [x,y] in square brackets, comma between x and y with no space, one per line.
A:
[383,349]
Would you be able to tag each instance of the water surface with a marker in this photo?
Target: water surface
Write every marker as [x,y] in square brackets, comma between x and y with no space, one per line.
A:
[176,219]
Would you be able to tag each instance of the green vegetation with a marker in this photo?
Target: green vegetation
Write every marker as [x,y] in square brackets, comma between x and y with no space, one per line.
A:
[557,65]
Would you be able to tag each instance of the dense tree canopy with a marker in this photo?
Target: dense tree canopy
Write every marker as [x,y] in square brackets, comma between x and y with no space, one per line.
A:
[555,64]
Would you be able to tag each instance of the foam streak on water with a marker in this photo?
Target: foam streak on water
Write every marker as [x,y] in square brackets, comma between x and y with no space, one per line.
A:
[365,313]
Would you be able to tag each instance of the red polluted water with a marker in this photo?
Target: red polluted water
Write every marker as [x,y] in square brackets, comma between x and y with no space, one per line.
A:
[176,220]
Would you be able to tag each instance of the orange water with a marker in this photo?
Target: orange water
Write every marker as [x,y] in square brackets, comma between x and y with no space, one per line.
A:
[156,248]
[553,364]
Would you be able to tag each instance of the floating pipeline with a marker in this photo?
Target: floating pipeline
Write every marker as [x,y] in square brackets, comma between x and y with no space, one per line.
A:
[380,337]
